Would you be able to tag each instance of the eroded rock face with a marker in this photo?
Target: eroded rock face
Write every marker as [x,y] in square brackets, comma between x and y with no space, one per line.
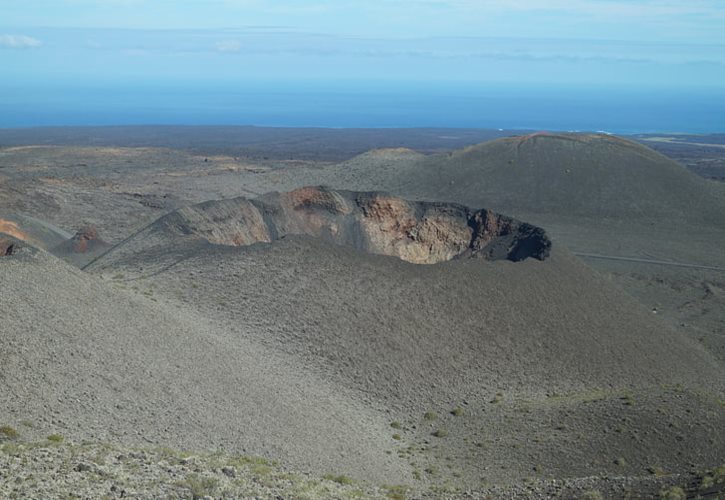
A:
[13,229]
[417,232]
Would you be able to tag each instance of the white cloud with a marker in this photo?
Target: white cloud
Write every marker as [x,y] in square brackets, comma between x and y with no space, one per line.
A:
[19,42]
[228,46]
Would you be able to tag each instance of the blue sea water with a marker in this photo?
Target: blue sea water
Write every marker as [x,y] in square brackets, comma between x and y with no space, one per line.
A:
[341,104]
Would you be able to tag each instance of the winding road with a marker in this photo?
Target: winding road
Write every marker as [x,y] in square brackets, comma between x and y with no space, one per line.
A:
[648,261]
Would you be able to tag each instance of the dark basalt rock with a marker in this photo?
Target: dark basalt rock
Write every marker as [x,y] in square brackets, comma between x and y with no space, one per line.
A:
[7,247]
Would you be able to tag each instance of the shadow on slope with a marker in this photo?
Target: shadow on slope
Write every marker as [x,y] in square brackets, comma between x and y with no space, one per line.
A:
[89,359]
[415,339]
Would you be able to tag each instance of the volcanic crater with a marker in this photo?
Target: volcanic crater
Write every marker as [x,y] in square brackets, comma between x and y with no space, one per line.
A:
[414,231]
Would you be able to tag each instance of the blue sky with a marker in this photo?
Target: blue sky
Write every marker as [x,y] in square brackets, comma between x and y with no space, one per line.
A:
[147,61]
[620,42]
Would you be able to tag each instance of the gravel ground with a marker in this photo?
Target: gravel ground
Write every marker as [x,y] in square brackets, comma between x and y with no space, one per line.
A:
[47,470]
[57,469]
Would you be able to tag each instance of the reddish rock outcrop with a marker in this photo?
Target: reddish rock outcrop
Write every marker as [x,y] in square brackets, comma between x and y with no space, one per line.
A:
[83,247]
[13,229]
[84,238]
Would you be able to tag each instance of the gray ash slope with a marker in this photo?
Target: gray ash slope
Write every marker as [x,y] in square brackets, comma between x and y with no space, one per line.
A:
[534,326]
[595,194]
[585,175]
[559,343]
[93,360]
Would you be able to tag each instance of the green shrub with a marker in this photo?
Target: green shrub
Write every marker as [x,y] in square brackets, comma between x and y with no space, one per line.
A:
[592,495]
[457,411]
[440,433]
[397,492]
[200,486]
[656,471]
[341,479]
[673,493]
[396,425]
[430,416]
[55,438]
[716,476]
[260,469]
[8,432]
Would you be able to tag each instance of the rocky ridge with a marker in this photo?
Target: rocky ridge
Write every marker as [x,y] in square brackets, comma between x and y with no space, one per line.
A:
[417,232]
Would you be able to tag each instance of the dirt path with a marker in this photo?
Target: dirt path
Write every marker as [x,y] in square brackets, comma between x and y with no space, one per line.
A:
[649,261]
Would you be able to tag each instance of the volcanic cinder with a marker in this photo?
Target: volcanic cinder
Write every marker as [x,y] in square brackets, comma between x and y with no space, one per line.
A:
[367,336]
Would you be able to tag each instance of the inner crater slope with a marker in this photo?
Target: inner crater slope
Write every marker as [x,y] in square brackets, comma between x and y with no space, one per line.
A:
[372,222]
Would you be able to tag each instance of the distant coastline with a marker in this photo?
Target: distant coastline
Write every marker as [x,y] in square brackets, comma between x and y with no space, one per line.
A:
[618,111]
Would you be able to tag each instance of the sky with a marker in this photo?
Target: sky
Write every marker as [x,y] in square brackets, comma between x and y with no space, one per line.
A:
[622,44]
[631,42]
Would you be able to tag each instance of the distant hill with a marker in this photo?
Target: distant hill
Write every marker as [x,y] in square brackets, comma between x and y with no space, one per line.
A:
[325,144]
[582,175]
[594,193]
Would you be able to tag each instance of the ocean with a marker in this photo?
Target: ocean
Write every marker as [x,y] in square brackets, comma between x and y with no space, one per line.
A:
[377,104]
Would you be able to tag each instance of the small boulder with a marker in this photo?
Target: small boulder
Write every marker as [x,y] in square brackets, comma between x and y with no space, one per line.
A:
[83,467]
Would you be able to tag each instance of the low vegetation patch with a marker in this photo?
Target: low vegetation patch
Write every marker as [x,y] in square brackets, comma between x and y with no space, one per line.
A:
[32,470]
[8,432]
[430,416]
[200,486]
[592,495]
[397,492]
[656,471]
[673,493]
[55,438]
[713,478]
[342,479]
